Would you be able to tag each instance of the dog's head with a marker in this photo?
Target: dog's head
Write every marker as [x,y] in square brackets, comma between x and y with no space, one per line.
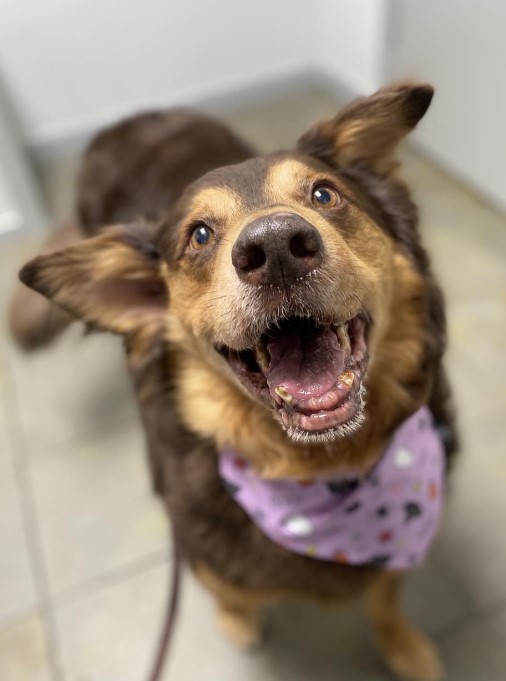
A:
[296,278]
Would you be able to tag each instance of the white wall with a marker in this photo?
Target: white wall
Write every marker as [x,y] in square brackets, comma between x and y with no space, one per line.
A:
[350,42]
[74,65]
[71,65]
[461,48]
[21,206]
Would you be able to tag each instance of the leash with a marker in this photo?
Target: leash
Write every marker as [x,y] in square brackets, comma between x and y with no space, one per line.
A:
[165,641]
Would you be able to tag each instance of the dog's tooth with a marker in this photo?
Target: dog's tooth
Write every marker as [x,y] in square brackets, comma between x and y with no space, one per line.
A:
[284,394]
[347,378]
[262,357]
[343,337]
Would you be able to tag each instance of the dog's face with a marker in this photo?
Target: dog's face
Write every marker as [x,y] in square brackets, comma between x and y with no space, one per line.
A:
[281,280]
[277,274]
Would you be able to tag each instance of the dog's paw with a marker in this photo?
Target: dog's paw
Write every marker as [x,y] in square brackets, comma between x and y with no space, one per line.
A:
[411,656]
[244,629]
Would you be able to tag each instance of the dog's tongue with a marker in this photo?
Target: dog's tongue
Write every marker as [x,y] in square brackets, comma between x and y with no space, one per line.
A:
[306,362]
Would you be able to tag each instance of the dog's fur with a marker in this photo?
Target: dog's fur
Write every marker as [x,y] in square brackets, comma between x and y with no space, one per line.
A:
[174,304]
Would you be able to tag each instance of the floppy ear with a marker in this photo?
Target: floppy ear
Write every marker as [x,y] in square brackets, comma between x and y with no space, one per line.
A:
[369,129]
[113,281]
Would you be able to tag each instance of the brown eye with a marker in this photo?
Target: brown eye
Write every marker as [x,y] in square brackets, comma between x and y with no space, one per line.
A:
[325,196]
[201,237]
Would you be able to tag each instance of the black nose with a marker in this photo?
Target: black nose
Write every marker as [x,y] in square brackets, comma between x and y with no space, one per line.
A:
[277,249]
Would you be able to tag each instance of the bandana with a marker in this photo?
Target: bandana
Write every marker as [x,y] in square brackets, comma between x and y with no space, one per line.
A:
[387,518]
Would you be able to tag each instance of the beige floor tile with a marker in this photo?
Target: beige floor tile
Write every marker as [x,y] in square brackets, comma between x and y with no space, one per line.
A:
[432,600]
[58,178]
[6,447]
[476,368]
[17,591]
[466,239]
[470,410]
[22,652]
[472,547]
[478,333]
[475,652]
[76,387]
[478,651]
[110,635]
[68,390]
[447,202]
[95,508]
[311,643]
[278,125]
[14,251]
[464,270]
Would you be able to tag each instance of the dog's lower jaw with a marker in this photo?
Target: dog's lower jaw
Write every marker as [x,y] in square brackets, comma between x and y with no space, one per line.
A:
[304,437]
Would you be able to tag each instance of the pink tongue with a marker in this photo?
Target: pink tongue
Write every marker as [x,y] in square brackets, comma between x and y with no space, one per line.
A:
[305,362]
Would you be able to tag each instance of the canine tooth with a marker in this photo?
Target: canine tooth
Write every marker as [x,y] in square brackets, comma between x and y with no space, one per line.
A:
[262,357]
[343,338]
[347,378]
[284,394]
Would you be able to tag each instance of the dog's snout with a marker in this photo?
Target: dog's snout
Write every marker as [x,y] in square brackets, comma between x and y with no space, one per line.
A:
[277,249]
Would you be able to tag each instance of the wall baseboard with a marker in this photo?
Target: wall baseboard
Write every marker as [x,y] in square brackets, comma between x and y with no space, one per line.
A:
[332,83]
[217,97]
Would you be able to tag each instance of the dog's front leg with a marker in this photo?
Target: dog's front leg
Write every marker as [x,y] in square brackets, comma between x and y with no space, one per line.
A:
[408,652]
[243,625]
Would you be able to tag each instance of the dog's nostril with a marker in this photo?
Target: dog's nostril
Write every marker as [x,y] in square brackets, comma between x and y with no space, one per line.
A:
[277,250]
[304,244]
[252,258]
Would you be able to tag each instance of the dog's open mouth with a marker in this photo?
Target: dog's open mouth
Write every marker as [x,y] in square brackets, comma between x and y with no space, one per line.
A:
[310,373]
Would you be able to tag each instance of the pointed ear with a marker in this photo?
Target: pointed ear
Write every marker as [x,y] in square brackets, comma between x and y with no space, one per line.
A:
[113,281]
[369,129]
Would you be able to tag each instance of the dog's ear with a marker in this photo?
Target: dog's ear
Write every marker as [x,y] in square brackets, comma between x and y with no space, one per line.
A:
[369,129]
[114,281]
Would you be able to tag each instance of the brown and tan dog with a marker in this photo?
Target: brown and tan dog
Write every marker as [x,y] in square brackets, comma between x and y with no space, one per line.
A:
[236,254]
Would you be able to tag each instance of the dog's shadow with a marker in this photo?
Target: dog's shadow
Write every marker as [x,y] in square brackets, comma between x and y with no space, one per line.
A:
[306,642]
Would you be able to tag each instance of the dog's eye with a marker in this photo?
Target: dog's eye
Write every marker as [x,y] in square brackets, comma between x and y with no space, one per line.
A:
[325,196]
[201,236]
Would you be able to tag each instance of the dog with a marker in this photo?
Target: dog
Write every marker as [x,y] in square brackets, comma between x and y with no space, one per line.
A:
[285,335]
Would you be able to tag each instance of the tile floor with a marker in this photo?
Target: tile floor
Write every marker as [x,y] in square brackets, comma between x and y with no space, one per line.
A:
[85,562]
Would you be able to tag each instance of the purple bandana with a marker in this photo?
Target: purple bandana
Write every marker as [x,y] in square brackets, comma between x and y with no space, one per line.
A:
[388,518]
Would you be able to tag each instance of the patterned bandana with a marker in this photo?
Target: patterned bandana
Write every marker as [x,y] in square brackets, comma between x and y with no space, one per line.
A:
[388,518]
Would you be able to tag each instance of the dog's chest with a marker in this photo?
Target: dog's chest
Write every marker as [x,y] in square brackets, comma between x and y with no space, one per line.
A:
[389,518]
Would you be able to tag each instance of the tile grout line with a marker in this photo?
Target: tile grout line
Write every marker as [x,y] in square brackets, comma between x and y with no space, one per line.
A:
[67,446]
[480,616]
[95,584]
[464,622]
[474,612]
[113,576]
[25,493]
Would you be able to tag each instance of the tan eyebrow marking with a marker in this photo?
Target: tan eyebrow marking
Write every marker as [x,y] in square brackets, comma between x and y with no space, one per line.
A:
[287,179]
[221,203]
